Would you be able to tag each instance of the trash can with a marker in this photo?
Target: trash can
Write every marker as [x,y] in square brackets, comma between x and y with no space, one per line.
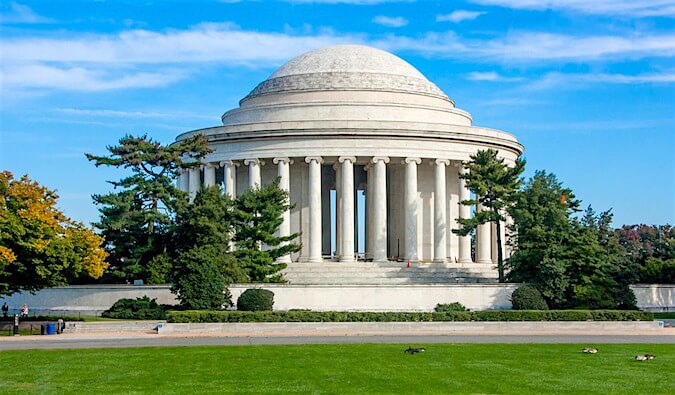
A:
[51,328]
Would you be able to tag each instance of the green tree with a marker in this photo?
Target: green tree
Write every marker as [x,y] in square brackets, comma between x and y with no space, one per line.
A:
[651,249]
[201,238]
[495,186]
[136,220]
[257,217]
[39,246]
[542,224]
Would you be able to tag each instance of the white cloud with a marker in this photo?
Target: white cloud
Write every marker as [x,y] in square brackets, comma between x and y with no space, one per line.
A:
[574,80]
[19,13]
[459,16]
[628,8]
[397,21]
[490,76]
[530,47]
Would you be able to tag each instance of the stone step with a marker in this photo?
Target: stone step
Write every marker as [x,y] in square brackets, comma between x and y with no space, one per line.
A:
[446,277]
[388,281]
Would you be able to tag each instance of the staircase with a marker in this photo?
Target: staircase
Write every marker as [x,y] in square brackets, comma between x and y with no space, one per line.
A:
[390,273]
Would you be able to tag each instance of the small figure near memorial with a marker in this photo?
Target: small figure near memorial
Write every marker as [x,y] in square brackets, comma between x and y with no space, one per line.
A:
[5,310]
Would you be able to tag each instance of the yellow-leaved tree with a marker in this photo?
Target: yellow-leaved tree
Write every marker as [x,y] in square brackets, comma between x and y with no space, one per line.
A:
[39,246]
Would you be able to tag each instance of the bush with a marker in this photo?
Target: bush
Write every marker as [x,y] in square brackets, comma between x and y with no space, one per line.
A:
[204,316]
[455,306]
[136,309]
[255,300]
[198,280]
[528,297]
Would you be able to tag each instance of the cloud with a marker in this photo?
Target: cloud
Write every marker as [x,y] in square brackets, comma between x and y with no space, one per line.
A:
[398,21]
[19,13]
[490,76]
[459,16]
[533,47]
[628,8]
[573,80]
[129,114]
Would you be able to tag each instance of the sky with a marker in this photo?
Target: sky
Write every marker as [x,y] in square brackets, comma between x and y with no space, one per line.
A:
[588,87]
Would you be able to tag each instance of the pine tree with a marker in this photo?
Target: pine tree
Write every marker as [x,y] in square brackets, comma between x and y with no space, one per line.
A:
[257,217]
[495,186]
[136,220]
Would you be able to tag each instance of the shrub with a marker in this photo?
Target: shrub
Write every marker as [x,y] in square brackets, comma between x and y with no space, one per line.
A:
[204,316]
[255,299]
[454,306]
[136,309]
[198,280]
[527,297]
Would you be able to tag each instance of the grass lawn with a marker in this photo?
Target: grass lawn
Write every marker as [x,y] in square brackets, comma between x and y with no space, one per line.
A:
[359,368]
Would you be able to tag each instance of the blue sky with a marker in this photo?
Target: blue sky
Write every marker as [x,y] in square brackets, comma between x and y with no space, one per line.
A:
[587,86]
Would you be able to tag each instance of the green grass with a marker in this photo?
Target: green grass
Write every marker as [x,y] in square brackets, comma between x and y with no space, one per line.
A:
[663,316]
[359,368]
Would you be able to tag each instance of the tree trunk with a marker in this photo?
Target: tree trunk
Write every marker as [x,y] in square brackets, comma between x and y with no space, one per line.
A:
[500,259]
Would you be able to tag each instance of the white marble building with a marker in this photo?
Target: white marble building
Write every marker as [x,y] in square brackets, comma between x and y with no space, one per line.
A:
[363,142]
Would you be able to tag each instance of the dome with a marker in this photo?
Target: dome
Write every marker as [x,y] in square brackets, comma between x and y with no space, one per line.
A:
[347,67]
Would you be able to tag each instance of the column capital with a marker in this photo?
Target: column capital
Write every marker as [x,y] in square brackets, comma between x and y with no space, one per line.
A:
[445,162]
[318,159]
[284,160]
[229,163]
[254,161]
[376,159]
[410,160]
[345,158]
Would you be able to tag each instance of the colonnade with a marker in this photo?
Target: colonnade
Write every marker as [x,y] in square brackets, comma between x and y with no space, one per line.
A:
[376,201]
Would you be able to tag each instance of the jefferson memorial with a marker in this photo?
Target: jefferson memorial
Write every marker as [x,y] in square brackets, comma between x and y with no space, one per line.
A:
[370,152]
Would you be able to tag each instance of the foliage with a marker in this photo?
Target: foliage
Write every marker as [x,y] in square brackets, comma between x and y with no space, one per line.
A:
[34,318]
[652,250]
[255,300]
[528,298]
[257,216]
[198,278]
[454,306]
[39,246]
[200,316]
[495,186]
[142,308]
[573,262]
[135,220]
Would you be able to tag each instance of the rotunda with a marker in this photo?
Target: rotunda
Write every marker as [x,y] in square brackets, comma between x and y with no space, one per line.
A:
[370,152]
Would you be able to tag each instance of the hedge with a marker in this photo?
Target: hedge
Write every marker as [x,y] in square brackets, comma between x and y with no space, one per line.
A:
[204,316]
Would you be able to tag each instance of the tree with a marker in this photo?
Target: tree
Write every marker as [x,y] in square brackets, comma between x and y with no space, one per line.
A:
[135,220]
[542,224]
[201,238]
[39,246]
[651,249]
[257,217]
[574,262]
[495,186]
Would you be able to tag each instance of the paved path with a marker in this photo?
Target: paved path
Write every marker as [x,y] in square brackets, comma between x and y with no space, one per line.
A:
[146,340]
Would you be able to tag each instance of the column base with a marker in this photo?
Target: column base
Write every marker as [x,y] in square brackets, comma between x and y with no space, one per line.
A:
[315,260]
[464,261]
[485,261]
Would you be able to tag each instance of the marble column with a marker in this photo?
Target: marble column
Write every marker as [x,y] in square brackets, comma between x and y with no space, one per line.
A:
[314,208]
[230,177]
[464,255]
[193,183]
[283,168]
[184,180]
[347,215]
[338,209]
[254,179]
[440,214]
[209,175]
[483,241]
[379,208]
[411,208]
[370,178]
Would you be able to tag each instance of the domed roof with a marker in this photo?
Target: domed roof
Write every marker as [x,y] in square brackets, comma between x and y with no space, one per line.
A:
[347,67]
